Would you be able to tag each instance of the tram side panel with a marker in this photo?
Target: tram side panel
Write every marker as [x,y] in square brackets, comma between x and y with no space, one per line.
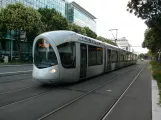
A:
[70,61]
[121,59]
[95,60]
[107,59]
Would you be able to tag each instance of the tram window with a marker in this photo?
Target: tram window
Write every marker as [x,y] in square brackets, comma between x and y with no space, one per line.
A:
[44,55]
[114,56]
[122,57]
[130,57]
[67,52]
[126,57]
[95,55]
[92,55]
[116,59]
[109,56]
[99,56]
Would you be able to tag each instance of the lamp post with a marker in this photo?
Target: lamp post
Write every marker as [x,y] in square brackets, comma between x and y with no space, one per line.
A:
[113,34]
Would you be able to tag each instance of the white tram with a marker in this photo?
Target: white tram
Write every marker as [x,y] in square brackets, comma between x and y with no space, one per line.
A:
[65,56]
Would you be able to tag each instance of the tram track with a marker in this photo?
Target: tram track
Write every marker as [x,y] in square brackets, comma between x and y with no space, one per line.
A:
[16,86]
[80,97]
[10,91]
[46,92]
[31,97]
[8,81]
[107,113]
[14,78]
[44,100]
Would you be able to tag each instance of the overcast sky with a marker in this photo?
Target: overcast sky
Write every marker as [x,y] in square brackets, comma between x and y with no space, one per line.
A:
[112,14]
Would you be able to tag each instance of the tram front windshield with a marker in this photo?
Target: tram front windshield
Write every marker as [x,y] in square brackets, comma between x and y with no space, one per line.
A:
[44,55]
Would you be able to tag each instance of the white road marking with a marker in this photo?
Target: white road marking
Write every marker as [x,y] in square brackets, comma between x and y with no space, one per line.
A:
[16,72]
[108,90]
[15,65]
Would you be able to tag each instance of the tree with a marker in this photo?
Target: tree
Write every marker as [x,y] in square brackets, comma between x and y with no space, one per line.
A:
[149,10]
[52,19]
[150,53]
[106,40]
[18,17]
[90,33]
[152,41]
[77,29]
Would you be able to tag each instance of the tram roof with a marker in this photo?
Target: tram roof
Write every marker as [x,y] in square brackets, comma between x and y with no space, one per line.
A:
[65,33]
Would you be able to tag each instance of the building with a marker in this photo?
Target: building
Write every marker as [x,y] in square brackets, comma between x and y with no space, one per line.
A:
[8,45]
[124,44]
[72,11]
[59,5]
[78,15]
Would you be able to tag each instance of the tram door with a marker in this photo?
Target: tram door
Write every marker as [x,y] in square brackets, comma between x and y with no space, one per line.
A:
[108,59]
[83,60]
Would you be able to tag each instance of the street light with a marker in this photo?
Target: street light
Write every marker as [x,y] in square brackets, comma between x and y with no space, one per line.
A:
[113,34]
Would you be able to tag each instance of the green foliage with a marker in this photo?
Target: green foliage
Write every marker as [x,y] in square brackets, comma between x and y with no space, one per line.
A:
[150,53]
[77,29]
[52,19]
[152,40]
[106,40]
[90,33]
[149,10]
[17,16]
[156,68]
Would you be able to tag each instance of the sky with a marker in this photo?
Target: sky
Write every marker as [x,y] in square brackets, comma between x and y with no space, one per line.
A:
[112,14]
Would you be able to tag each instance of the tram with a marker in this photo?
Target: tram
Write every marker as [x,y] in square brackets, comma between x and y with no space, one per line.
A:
[65,57]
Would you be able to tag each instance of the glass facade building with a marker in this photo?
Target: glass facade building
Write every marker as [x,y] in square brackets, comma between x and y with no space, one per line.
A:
[59,5]
[78,15]
[72,11]
[8,46]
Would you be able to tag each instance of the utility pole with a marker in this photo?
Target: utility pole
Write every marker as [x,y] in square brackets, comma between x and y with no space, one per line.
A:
[115,37]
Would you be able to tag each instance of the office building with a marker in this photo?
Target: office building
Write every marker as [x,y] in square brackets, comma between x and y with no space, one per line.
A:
[78,15]
[124,44]
[59,5]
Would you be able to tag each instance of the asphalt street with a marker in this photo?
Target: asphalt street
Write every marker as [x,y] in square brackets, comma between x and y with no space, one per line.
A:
[22,99]
[15,68]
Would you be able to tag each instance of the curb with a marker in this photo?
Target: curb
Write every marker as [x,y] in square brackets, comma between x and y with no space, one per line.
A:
[156,109]
[15,73]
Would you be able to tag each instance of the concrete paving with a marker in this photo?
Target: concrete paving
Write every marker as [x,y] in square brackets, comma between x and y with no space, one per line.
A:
[156,108]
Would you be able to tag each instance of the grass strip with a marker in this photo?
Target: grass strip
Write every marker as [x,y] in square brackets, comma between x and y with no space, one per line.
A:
[156,68]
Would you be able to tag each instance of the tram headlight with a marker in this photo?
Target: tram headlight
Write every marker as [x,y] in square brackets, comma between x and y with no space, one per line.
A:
[52,71]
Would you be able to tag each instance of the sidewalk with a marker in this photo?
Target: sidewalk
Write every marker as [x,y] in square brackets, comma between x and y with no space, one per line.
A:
[156,109]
